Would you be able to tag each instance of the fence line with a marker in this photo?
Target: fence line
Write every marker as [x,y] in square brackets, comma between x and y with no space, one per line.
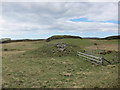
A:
[89,55]
[92,59]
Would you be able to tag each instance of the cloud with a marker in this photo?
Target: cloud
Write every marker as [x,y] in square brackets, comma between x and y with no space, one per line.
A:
[42,18]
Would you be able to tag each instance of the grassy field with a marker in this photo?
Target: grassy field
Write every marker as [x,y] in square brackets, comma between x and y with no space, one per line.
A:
[38,64]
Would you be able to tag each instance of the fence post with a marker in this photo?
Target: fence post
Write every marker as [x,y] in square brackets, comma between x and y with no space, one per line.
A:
[102,60]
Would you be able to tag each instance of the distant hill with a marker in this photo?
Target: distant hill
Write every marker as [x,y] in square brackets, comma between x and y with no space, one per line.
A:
[8,40]
[61,37]
[112,37]
[5,40]
[92,38]
[106,38]
[22,40]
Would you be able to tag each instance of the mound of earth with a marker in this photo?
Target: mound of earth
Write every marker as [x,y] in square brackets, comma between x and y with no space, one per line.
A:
[61,37]
[56,49]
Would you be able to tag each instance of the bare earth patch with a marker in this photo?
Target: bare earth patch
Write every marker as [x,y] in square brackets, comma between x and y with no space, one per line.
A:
[113,47]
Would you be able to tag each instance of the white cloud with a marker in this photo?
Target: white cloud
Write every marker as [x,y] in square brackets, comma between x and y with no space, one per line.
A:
[54,17]
[60,0]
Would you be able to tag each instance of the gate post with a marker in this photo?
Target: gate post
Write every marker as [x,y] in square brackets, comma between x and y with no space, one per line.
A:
[102,60]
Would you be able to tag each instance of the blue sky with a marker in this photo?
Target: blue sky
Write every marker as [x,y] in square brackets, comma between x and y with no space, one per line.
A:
[86,20]
[45,36]
[35,20]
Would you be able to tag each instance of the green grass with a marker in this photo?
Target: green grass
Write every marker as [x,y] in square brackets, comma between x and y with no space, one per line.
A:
[32,69]
[78,42]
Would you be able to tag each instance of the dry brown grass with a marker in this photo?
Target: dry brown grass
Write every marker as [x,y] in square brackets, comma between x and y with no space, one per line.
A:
[17,43]
[112,47]
[12,52]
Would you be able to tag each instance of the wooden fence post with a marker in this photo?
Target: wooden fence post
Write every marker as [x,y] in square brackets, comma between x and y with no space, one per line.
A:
[102,60]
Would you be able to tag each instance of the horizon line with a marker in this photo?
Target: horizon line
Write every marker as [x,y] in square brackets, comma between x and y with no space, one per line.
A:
[54,35]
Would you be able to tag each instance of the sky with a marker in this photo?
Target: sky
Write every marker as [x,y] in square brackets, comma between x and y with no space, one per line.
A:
[40,20]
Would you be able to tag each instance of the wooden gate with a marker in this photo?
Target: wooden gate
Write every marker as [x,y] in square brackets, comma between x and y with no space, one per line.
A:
[91,58]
